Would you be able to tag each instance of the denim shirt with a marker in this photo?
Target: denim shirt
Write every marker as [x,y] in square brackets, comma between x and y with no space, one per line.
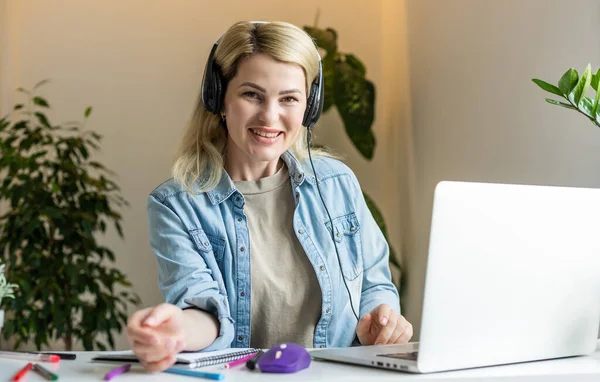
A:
[202,246]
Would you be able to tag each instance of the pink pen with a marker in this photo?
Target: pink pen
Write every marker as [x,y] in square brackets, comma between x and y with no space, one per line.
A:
[239,361]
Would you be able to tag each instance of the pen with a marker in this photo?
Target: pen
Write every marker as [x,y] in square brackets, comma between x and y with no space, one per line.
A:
[21,373]
[45,372]
[239,361]
[194,373]
[69,356]
[117,371]
[33,357]
[251,364]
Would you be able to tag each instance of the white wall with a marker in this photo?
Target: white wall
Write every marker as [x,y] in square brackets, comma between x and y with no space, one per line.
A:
[139,63]
[477,116]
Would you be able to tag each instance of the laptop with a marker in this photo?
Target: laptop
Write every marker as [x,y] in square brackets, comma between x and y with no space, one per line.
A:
[513,275]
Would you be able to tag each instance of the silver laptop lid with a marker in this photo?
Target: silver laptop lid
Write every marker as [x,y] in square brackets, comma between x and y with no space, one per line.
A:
[513,275]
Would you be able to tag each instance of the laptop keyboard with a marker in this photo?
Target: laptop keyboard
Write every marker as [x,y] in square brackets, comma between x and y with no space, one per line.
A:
[411,356]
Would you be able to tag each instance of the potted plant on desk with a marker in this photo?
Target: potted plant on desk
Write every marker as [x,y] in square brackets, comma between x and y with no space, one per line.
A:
[6,291]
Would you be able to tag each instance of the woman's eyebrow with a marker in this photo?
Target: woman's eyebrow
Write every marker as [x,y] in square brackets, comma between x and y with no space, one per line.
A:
[257,87]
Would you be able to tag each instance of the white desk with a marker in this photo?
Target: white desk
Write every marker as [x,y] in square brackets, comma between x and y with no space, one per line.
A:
[576,369]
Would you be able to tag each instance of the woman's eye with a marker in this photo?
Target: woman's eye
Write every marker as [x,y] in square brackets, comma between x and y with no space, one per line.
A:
[289,99]
[250,94]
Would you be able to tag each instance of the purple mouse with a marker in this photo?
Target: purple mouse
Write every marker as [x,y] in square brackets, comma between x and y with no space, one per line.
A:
[284,358]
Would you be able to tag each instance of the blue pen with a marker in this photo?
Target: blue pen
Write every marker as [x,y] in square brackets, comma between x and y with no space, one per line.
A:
[194,373]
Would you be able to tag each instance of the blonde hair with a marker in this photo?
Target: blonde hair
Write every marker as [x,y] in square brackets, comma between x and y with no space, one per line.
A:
[199,160]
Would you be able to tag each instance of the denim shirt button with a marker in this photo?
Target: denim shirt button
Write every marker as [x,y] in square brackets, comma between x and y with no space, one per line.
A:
[327,310]
[300,231]
[242,249]
[243,294]
[206,243]
[239,219]
[241,338]
[322,268]
[322,346]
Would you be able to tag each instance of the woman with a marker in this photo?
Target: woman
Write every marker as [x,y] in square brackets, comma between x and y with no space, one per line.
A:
[248,254]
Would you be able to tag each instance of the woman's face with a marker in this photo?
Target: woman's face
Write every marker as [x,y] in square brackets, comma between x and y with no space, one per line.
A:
[264,107]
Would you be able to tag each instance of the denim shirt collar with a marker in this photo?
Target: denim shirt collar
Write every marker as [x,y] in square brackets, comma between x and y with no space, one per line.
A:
[225,188]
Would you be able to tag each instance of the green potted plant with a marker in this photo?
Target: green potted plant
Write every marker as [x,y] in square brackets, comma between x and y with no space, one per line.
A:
[6,291]
[58,202]
[348,89]
[573,88]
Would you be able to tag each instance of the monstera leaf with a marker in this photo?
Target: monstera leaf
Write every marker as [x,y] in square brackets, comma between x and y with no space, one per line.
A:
[347,88]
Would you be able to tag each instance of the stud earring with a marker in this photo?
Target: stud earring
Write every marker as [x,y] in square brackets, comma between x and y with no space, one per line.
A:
[223,116]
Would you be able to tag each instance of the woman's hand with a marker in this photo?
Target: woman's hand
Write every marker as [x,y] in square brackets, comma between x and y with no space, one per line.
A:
[156,335]
[383,326]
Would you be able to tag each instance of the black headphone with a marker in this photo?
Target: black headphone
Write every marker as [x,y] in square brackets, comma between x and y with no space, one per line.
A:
[214,86]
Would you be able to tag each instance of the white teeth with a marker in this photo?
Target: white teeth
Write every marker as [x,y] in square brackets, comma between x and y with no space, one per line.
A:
[263,134]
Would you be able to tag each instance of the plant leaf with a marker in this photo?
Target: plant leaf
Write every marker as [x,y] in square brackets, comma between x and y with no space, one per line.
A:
[40,102]
[595,104]
[558,103]
[88,111]
[42,82]
[548,87]
[582,86]
[585,106]
[568,81]
[595,79]
[355,101]
[325,39]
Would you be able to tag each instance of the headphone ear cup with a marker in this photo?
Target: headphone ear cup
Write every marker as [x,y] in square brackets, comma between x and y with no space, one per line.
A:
[308,120]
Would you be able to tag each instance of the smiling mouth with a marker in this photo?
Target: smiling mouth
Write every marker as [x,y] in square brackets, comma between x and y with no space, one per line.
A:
[264,134]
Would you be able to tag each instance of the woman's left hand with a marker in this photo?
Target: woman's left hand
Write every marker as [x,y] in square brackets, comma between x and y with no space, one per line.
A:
[383,326]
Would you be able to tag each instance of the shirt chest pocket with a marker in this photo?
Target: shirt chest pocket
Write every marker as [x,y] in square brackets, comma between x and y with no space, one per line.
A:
[212,250]
[346,230]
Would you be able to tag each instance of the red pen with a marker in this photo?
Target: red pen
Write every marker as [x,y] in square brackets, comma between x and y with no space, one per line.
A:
[21,373]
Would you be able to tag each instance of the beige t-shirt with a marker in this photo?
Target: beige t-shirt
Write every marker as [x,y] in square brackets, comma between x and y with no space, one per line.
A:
[286,296]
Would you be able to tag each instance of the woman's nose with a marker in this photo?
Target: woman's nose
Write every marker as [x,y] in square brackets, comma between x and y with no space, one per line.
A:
[269,113]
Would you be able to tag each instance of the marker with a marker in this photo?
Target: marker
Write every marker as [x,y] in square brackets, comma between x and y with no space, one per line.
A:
[117,371]
[251,364]
[32,357]
[69,356]
[45,372]
[21,373]
[193,373]
[239,361]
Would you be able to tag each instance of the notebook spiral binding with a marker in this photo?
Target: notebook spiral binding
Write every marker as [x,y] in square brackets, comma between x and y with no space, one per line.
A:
[221,358]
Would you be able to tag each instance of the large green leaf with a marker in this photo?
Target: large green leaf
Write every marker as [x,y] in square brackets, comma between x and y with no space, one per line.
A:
[355,101]
[568,81]
[582,86]
[548,87]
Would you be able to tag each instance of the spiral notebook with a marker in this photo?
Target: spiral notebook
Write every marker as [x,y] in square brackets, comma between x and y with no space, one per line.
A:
[191,360]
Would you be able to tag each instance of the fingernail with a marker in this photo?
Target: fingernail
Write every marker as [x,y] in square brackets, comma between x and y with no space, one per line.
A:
[150,321]
[377,343]
[384,320]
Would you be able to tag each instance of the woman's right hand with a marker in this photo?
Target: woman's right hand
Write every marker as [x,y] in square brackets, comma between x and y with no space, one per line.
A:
[156,335]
